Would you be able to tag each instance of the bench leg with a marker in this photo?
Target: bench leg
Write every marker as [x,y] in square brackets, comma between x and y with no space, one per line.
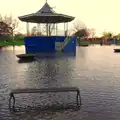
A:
[11,98]
[78,98]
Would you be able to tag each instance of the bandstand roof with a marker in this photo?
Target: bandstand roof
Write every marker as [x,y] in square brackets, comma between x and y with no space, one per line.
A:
[46,15]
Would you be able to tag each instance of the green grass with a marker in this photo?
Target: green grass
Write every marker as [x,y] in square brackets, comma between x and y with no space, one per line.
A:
[12,43]
[20,41]
[8,41]
[84,43]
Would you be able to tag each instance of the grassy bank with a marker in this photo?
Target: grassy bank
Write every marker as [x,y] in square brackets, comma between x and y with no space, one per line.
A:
[8,41]
[18,41]
[11,43]
[21,42]
[84,43]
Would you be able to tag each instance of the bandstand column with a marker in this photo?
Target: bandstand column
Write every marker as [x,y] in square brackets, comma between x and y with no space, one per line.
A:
[56,29]
[27,27]
[64,29]
[49,30]
[67,28]
[38,29]
[46,29]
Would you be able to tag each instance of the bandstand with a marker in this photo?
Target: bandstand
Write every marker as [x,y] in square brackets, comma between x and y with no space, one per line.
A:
[50,42]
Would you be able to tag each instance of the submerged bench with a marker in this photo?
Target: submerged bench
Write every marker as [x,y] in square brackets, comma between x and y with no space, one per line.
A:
[44,90]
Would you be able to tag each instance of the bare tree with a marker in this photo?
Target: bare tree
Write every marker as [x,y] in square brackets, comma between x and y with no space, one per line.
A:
[78,25]
[81,33]
[80,29]
[92,32]
[51,28]
[5,30]
[10,22]
[34,31]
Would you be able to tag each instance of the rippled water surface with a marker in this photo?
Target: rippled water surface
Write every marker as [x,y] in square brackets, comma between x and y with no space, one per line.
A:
[95,70]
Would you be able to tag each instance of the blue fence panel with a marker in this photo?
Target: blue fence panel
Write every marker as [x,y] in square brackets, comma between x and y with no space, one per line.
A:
[60,38]
[35,44]
[70,46]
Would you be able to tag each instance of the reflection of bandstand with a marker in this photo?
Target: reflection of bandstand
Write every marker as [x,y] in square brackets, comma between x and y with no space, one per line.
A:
[48,43]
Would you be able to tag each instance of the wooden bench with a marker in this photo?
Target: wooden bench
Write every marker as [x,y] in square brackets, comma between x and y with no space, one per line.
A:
[44,90]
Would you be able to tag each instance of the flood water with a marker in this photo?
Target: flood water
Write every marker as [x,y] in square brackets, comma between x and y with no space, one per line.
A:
[95,70]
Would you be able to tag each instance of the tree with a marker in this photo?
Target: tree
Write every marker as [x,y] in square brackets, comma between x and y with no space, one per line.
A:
[5,30]
[92,32]
[34,31]
[19,34]
[78,25]
[80,29]
[11,22]
[8,25]
[107,35]
[81,33]
[118,35]
[51,27]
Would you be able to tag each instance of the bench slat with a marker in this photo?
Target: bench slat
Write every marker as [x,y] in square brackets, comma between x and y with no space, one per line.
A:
[42,90]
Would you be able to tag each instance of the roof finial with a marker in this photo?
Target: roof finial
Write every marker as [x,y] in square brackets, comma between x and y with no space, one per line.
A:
[46,0]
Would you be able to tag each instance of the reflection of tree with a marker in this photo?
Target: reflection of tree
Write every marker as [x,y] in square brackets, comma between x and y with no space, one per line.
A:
[56,73]
[49,72]
[82,53]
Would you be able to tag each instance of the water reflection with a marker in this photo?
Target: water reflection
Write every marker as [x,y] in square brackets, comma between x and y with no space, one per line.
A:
[95,70]
[46,72]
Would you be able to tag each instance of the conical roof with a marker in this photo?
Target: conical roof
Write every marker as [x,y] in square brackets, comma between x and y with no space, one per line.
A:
[46,9]
[46,15]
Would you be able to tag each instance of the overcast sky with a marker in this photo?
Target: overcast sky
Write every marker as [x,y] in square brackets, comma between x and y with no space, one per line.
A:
[99,14]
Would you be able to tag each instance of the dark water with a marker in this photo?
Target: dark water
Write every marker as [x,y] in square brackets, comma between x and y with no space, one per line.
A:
[95,70]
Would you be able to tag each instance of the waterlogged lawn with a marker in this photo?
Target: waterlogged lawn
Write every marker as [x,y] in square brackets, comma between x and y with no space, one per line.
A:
[11,43]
